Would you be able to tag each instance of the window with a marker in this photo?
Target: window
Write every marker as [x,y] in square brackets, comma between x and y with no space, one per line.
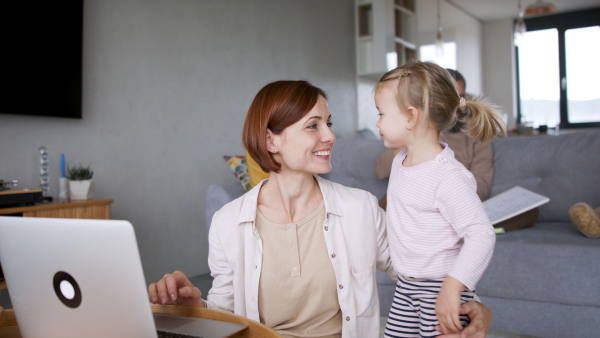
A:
[447,60]
[558,70]
[583,94]
[539,78]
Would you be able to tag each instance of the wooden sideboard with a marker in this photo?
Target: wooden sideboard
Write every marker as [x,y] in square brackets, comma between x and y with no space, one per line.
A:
[92,209]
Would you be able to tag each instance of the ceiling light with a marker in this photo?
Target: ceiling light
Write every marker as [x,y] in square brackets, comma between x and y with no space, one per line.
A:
[540,7]
[520,27]
[439,41]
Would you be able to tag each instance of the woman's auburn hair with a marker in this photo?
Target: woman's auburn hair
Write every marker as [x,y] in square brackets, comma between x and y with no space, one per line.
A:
[275,107]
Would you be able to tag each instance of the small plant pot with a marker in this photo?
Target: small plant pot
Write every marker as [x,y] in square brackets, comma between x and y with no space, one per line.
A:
[81,190]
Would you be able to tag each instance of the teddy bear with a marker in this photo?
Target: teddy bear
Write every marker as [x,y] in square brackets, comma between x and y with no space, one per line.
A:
[586,219]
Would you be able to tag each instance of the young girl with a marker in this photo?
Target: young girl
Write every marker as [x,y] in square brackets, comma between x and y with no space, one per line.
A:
[440,237]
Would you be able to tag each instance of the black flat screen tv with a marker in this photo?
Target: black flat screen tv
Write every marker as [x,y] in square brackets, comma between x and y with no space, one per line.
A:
[41,58]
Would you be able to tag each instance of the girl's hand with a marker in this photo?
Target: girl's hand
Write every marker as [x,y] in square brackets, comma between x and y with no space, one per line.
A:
[448,305]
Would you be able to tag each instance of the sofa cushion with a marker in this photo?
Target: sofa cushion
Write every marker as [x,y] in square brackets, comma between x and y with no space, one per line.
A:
[255,171]
[565,168]
[238,166]
[549,262]
[536,319]
[217,195]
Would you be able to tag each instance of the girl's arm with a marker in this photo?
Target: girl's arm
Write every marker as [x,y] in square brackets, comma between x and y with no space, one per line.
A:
[459,204]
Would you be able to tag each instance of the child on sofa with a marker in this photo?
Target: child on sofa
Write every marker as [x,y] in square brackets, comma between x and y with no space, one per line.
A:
[440,237]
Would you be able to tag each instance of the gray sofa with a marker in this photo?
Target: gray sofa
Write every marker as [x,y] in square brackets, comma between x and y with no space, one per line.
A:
[543,280]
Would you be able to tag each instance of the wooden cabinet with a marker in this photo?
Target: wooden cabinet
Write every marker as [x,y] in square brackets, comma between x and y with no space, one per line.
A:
[92,209]
[386,35]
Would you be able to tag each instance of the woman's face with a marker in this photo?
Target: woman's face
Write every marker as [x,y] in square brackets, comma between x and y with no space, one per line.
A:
[306,145]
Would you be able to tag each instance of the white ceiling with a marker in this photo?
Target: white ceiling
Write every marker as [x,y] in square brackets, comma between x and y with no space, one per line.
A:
[486,10]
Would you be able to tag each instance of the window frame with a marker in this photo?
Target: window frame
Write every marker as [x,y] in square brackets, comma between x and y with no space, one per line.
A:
[562,23]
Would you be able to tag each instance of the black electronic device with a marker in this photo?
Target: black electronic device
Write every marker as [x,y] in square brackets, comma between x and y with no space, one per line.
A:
[41,59]
[9,198]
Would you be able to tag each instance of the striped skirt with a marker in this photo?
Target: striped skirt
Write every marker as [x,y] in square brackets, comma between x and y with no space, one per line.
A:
[413,309]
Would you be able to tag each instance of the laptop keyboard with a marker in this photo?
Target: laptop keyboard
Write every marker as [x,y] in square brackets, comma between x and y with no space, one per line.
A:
[164,334]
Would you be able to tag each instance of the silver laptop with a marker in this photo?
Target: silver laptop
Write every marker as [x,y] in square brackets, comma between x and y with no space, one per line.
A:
[84,278]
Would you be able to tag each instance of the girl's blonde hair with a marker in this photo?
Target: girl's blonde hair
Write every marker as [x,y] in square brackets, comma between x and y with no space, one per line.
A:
[430,87]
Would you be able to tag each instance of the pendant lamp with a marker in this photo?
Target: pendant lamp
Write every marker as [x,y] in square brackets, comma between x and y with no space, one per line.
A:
[439,42]
[540,7]
[520,28]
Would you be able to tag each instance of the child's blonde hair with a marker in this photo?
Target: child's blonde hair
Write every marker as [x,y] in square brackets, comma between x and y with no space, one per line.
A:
[430,87]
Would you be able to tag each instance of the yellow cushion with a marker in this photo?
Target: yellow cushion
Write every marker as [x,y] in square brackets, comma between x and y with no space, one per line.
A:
[255,172]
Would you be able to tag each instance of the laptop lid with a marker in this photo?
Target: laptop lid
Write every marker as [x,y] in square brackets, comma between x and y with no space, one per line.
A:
[77,278]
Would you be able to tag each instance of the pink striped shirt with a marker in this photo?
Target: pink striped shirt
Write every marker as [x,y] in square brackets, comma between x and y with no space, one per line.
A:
[436,223]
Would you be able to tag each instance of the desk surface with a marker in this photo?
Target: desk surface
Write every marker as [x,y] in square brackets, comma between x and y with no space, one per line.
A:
[10,329]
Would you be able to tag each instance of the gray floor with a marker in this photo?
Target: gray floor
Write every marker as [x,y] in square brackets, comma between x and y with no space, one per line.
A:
[5,299]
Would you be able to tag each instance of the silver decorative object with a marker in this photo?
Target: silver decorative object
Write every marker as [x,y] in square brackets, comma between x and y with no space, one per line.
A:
[44,172]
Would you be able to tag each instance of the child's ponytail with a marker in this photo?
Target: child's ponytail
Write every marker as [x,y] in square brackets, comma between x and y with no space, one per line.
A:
[432,88]
[482,121]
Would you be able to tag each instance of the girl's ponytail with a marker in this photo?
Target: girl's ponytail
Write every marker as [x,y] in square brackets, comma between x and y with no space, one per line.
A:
[482,121]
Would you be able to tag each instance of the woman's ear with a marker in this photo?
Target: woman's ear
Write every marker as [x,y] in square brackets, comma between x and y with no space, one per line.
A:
[271,146]
[412,118]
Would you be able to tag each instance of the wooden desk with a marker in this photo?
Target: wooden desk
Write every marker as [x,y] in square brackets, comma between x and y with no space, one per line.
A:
[94,209]
[8,324]
[10,329]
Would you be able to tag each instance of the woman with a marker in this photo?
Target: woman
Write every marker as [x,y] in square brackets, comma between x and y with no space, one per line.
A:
[297,252]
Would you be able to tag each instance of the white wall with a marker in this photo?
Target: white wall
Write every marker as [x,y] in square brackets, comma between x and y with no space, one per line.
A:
[459,27]
[485,52]
[499,67]
[166,87]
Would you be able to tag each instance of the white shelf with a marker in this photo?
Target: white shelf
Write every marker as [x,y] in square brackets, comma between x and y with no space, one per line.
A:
[386,35]
[406,43]
[405,10]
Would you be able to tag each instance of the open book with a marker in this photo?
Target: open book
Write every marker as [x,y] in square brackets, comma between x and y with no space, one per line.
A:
[511,203]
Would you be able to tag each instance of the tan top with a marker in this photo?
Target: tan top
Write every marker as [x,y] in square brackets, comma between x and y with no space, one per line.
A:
[476,156]
[297,294]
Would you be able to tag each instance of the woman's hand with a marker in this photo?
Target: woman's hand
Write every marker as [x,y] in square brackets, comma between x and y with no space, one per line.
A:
[481,320]
[175,288]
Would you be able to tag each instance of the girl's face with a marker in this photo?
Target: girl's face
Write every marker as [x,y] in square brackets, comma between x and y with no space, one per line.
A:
[392,121]
[306,145]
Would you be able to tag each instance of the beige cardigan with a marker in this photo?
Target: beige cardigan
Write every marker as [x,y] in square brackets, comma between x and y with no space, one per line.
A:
[356,239]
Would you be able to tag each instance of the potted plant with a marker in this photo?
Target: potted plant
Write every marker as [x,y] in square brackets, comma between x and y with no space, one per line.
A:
[81,183]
